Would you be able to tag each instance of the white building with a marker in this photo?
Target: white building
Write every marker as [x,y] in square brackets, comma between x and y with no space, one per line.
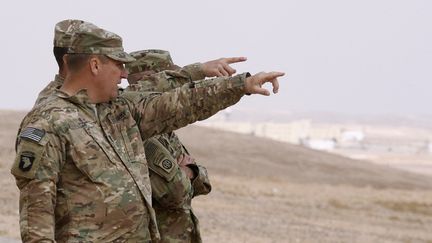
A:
[320,144]
[352,136]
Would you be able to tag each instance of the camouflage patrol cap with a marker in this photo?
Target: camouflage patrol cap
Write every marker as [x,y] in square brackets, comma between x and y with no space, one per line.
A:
[64,30]
[90,39]
[150,60]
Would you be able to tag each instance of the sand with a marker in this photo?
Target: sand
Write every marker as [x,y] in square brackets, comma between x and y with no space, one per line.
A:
[266,191]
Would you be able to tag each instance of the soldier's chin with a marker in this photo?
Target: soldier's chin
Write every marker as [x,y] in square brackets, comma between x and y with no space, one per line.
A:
[114,95]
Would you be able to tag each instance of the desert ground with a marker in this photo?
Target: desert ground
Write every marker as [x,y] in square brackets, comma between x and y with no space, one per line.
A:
[267,191]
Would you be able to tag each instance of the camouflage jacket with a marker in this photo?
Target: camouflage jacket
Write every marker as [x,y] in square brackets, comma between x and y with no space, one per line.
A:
[43,95]
[49,89]
[172,190]
[170,79]
[81,167]
[188,73]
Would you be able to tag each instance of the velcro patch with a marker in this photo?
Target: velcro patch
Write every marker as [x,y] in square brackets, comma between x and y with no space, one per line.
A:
[163,166]
[26,161]
[167,165]
[160,160]
[32,134]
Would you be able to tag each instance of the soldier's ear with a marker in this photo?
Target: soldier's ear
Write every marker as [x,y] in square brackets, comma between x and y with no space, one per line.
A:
[95,65]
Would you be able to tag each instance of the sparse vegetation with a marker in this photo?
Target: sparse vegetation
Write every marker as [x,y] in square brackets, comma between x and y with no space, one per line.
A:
[408,207]
[283,193]
[337,204]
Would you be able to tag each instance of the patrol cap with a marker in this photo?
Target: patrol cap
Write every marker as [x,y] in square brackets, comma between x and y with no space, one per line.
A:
[64,30]
[90,39]
[150,60]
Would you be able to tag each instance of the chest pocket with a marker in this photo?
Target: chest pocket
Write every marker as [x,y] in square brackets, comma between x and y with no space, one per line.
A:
[123,133]
[160,160]
[91,153]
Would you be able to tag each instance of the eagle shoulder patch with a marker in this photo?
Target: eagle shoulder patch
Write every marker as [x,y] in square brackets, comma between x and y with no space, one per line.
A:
[28,158]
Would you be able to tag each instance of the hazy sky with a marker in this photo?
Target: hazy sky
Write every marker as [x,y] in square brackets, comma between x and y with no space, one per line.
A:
[358,57]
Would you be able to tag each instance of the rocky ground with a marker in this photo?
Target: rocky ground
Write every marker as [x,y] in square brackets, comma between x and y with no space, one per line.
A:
[265,191]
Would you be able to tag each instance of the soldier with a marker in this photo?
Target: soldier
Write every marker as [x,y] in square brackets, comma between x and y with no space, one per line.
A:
[63,31]
[62,36]
[62,40]
[175,177]
[80,163]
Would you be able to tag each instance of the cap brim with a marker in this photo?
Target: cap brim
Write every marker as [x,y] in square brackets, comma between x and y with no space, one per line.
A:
[121,56]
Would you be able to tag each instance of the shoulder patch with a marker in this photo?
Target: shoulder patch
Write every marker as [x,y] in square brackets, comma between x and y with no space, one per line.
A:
[167,165]
[32,134]
[159,159]
[28,159]
[164,167]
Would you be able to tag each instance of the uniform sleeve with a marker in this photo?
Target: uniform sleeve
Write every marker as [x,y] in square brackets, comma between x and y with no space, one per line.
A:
[159,113]
[173,193]
[170,186]
[36,169]
[170,79]
[201,183]
[161,82]
[193,71]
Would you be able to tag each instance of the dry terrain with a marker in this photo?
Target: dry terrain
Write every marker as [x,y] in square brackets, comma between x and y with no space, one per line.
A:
[266,191]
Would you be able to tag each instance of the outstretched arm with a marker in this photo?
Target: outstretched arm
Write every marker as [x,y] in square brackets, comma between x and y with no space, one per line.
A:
[164,112]
[171,79]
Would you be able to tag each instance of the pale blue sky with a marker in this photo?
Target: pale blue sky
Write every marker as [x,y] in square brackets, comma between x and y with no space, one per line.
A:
[358,57]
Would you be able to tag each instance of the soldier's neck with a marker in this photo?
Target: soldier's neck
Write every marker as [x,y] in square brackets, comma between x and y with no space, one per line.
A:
[75,82]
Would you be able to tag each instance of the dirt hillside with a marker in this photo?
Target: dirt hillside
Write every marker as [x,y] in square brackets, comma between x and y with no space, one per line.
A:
[238,155]
[266,191]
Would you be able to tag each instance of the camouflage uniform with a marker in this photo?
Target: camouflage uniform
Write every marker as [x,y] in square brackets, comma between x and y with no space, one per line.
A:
[62,38]
[81,167]
[172,190]
[63,31]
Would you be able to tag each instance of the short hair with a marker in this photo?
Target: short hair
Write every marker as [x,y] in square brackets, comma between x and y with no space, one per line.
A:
[59,52]
[77,61]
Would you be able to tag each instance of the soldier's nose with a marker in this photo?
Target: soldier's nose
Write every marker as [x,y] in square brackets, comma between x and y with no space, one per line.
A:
[124,74]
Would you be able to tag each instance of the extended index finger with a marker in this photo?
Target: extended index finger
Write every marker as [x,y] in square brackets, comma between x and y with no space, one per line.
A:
[230,60]
[273,75]
[272,78]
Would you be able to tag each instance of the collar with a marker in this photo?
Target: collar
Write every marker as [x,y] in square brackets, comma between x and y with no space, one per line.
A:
[59,79]
[82,100]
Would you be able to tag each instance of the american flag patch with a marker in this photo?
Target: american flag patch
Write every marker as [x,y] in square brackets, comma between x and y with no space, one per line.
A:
[33,134]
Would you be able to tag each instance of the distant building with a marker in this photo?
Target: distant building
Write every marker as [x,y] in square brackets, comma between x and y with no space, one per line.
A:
[320,144]
[284,132]
[328,137]
[352,136]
